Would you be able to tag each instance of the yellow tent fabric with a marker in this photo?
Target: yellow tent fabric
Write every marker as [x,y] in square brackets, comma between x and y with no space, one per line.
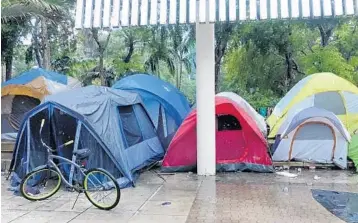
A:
[311,85]
[37,88]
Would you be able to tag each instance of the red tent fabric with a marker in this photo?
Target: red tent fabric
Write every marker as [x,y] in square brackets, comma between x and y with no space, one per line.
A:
[236,150]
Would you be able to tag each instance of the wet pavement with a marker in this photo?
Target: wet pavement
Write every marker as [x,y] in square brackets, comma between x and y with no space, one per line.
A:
[231,197]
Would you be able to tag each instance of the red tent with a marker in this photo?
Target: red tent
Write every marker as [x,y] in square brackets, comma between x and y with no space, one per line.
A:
[239,143]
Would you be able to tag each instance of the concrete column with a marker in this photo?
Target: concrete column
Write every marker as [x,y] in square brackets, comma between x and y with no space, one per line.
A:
[205,98]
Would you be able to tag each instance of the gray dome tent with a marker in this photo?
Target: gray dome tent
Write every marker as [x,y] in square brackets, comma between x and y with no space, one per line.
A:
[112,123]
[312,135]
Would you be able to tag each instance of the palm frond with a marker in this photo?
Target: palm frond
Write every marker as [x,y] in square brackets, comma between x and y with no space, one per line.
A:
[21,9]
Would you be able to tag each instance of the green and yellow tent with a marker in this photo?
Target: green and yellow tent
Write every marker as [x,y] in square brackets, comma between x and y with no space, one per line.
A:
[323,90]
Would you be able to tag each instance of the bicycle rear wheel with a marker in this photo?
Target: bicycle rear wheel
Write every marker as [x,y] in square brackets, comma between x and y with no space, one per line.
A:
[40,184]
[101,189]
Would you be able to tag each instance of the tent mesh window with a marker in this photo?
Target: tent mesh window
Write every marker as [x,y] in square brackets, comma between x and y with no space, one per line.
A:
[21,156]
[228,123]
[131,130]
[63,130]
[330,101]
[314,131]
[20,106]
[98,157]
[38,153]
[145,124]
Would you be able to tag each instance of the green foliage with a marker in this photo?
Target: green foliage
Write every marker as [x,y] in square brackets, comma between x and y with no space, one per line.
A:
[266,59]
[261,62]
[13,10]
[247,68]
[327,59]
[134,65]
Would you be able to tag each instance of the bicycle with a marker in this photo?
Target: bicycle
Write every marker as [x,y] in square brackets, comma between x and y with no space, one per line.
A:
[49,175]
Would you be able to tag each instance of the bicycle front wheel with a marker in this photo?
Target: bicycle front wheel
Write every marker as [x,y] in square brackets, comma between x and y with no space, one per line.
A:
[40,184]
[101,189]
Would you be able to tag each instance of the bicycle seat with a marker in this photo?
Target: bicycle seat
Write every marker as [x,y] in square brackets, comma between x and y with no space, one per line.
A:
[82,153]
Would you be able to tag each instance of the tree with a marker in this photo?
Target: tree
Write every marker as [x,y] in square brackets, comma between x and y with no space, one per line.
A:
[223,34]
[16,15]
[102,43]
[10,34]
[182,50]
[327,59]
[158,51]
[12,10]
[274,38]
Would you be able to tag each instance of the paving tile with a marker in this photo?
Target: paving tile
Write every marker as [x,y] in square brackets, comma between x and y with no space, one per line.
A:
[80,206]
[46,217]
[96,215]
[20,203]
[9,215]
[173,208]
[145,218]
[227,198]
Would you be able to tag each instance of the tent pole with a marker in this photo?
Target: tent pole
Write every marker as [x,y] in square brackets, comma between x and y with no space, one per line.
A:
[205,95]
[28,146]
[75,148]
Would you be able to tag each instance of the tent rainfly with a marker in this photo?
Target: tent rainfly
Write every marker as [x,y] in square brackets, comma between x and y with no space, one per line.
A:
[313,91]
[112,123]
[240,145]
[313,135]
[24,92]
[166,105]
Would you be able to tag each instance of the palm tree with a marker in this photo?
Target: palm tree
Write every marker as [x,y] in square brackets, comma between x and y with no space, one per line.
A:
[182,50]
[16,15]
[159,51]
[173,46]
[24,9]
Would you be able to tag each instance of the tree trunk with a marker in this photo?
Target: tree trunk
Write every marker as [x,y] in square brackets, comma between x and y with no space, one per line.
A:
[130,52]
[3,72]
[179,75]
[8,64]
[289,75]
[102,74]
[217,73]
[325,35]
[101,49]
[46,54]
[36,44]
[9,38]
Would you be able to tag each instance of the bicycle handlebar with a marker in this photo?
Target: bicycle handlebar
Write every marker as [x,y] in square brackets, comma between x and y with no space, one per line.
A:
[48,147]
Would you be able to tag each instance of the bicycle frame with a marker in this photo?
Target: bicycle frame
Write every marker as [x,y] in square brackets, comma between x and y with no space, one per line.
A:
[51,163]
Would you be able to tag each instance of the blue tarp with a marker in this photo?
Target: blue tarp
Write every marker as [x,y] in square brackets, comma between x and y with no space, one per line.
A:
[34,73]
[112,123]
[344,205]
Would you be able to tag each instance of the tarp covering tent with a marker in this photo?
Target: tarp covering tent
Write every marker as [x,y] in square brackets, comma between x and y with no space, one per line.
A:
[314,91]
[240,145]
[166,105]
[24,92]
[112,123]
[313,135]
[243,104]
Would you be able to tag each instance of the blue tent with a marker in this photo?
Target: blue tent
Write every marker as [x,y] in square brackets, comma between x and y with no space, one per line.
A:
[34,73]
[24,92]
[112,123]
[166,105]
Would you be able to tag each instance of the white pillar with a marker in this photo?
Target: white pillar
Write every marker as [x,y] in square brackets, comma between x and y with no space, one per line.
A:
[205,98]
